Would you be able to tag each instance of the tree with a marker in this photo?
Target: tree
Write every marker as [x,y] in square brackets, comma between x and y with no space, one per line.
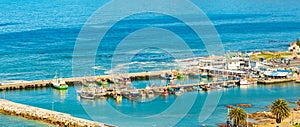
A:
[238,115]
[298,41]
[280,109]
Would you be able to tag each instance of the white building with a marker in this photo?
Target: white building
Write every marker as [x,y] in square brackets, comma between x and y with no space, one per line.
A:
[238,63]
[294,47]
[213,62]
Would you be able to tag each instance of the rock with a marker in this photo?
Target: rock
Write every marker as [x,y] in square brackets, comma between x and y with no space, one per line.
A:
[260,115]
[244,105]
[229,106]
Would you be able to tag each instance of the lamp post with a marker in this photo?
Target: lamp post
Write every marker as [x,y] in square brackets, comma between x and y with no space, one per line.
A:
[247,119]
[292,121]
[228,121]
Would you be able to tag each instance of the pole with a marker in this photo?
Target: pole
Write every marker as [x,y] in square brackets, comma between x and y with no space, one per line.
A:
[52,105]
[247,119]
[292,122]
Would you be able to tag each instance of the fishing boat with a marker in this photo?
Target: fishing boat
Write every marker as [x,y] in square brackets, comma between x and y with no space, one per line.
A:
[205,88]
[122,80]
[102,82]
[168,76]
[218,87]
[89,83]
[165,93]
[179,92]
[143,94]
[181,76]
[118,97]
[150,94]
[248,82]
[100,92]
[59,83]
[226,85]
[134,93]
[231,85]
[87,96]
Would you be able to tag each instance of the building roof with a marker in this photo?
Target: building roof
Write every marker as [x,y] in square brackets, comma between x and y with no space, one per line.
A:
[223,70]
[292,43]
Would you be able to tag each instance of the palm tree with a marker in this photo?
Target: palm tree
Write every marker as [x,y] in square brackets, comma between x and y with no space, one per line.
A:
[280,109]
[238,115]
[298,41]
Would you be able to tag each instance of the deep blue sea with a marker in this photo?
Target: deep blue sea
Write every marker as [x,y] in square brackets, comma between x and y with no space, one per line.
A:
[38,38]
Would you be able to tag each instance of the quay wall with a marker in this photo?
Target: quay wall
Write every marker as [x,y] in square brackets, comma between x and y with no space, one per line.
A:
[132,76]
[48,116]
[272,81]
[76,80]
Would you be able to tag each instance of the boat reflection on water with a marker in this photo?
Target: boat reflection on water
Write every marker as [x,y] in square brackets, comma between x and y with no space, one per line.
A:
[62,94]
[247,86]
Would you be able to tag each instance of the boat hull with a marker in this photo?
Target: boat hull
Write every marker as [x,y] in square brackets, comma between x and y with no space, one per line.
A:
[87,97]
[60,87]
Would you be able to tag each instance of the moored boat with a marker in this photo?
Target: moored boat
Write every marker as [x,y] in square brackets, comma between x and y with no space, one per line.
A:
[165,93]
[118,97]
[150,94]
[103,82]
[179,92]
[168,76]
[59,83]
[89,83]
[87,96]
[205,88]
[247,82]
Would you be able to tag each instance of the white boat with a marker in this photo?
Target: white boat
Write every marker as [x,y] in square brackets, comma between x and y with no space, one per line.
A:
[150,94]
[87,96]
[134,93]
[218,87]
[122,80]
[178,93]
[230,85]
[59,83]
[247,82]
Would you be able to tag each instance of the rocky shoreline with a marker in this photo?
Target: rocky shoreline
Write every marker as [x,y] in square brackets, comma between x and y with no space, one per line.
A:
[47,116]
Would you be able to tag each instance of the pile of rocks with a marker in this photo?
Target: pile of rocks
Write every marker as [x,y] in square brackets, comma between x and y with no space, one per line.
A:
[48,116]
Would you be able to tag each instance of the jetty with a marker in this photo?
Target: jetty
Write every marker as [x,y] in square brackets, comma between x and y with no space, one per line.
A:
[78,80]
[272,81]
[48,116]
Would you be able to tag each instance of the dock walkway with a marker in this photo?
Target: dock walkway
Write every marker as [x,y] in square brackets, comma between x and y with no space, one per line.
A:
[272,81]
[75,80]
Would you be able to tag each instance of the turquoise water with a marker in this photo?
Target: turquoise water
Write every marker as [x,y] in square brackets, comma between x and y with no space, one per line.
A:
[8,120]
[67,101]
[41,42]
[38,37]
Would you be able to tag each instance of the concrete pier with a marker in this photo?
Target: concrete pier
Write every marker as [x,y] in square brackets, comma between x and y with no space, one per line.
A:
[272,81]
[76,80]
[132,76]
[48,116]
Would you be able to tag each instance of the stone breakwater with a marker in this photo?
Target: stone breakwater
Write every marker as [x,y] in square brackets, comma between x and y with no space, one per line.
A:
[48,116]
